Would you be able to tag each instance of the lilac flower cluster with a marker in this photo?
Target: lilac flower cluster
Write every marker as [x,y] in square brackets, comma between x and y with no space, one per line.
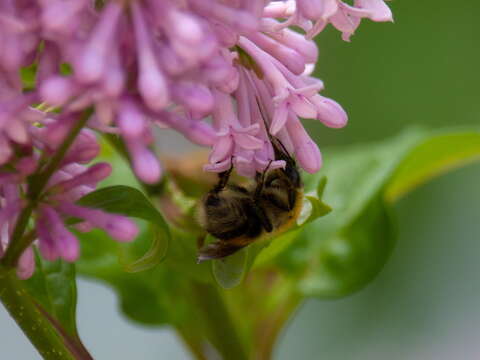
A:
[225,74]
[71,180]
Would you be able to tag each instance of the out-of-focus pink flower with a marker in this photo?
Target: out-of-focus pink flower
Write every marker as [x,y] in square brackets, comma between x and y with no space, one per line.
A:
[149,62]
[68,184]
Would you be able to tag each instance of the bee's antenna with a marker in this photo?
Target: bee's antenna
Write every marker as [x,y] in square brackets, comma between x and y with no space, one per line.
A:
[282,146]
[274,140]
[263,115]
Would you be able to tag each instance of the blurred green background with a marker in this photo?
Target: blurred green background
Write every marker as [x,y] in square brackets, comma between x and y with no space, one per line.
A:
[421,70]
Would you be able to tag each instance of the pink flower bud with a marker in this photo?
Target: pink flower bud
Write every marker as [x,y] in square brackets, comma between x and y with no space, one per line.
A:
[222,149]
[84,149]
[117,226]
[145,164]
[93,60]
[131,120]
[49,62]
[307,48]
[329,112]
[292,60]
[121,228]
[57,90]
[92,175]
[26,264]
[65,244]
[194,96]
[379,11]
[58,15]
[306,151]
[151,81]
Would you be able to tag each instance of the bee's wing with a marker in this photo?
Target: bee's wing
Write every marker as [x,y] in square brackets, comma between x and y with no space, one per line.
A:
[217,250]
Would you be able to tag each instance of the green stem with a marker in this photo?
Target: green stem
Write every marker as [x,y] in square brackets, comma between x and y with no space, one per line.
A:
[35,326]
[72,342]
[43,331]
[18,245]
[220,325]
[269,328]
[191,341]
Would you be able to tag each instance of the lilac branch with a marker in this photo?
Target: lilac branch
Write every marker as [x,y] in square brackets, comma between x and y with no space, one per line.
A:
[18,242]
[21,307]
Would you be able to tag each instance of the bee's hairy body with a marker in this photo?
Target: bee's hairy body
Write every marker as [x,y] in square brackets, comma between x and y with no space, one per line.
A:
[239,215]
[229,214]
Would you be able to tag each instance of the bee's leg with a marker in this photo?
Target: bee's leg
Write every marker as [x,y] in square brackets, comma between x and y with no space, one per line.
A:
[264,220]
[292,197]
[266,223]
[201,241]
[217,250]
[223,178]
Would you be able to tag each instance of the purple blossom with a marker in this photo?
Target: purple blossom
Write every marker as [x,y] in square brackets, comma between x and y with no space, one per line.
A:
[225,74]
[68,184]
[175,57]
[314,15]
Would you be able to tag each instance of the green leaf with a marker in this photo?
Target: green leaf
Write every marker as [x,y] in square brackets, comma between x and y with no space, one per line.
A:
[155,254]
[137,291]
[115,262]
[330,256]
[157,295]
[432,158]
[131,202]
[363,244]
[53,284]
[229,271]
[125,200]
[53,288]
[268,252]
[344,251]
[315,207]
[154,296]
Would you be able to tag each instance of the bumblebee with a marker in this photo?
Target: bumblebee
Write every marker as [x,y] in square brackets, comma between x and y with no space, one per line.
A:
[240,215]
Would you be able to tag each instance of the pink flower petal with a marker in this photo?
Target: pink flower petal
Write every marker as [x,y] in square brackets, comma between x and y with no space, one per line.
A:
[222,149]
[152,83]
[248,142]
[329,112]
[379,11]
[26,264]
[93,59]
[279,118]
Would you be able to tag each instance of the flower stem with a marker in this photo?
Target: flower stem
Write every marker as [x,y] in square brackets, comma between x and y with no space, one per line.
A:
[192,342]
[22,308]
[220,325]
[269,328]
[17,246]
